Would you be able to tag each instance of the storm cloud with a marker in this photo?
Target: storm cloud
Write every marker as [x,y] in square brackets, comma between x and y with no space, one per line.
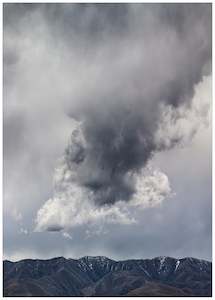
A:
[127,78]
[136,62]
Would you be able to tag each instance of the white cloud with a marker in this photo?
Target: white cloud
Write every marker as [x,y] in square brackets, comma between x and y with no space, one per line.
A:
[66,235]
[152,187]
[72,205]
[23,231]
[180,125]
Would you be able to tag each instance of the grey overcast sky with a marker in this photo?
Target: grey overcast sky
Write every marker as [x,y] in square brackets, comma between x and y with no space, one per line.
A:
[107,130]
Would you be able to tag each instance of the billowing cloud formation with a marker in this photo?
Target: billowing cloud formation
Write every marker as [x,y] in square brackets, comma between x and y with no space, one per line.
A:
[122,111]
[178,126]
[81,59]
[134,91]
[73,203]
[126,72]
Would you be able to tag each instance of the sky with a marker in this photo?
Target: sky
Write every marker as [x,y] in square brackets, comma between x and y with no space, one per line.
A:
[107,130]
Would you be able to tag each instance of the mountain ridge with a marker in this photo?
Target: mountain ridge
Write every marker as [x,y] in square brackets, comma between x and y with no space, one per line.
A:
[105,257]
[101,276]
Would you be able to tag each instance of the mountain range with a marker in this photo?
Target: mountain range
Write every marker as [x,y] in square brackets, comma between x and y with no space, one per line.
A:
[101,276]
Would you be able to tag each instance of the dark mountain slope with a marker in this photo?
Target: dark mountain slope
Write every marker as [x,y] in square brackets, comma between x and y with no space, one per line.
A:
[156,289]
[101,276]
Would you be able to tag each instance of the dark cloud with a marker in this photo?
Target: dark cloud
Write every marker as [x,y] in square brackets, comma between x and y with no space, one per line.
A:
[147,55]
[54,228]
[119,127]
[110,66]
